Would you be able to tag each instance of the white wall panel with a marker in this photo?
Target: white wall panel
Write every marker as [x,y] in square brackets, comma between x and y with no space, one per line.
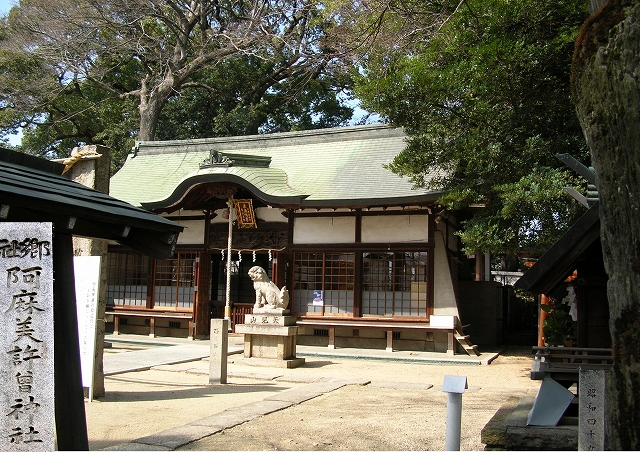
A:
[395,228]
[312,230]
[193,233]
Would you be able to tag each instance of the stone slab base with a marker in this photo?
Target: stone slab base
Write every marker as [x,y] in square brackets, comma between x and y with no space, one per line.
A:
[508,430]
[269,362]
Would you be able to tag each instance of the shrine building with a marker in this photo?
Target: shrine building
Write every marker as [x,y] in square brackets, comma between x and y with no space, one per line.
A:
[368,259]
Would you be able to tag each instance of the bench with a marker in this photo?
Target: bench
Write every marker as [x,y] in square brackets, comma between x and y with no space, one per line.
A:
[451,330]
[564,363]
[151,314]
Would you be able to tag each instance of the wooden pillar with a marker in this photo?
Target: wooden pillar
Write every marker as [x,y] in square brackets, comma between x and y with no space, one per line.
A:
[358,273]
[201,307]
[71,421]
[332,337]
[276,275]
[479,267]
[543,315]
[227,306]
[451,344]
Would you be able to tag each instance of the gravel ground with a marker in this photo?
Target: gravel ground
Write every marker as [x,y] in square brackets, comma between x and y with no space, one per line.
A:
[402,408]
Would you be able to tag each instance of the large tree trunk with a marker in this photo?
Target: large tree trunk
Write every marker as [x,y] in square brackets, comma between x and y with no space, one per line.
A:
[606,83]
[149,110]
[152,101]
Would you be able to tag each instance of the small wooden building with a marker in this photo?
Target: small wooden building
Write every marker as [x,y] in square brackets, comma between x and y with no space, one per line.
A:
[575,261]
[33,190]
[367,258]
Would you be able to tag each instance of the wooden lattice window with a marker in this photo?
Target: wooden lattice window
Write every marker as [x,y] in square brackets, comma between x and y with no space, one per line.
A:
[323,283]
[127,279]
[395,284]
[174,281]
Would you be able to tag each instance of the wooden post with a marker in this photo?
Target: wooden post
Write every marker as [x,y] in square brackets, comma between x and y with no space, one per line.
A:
[479,267]
[543,315]
[451,344]
[201,316]
[71,422]
[227,306]
[332,337]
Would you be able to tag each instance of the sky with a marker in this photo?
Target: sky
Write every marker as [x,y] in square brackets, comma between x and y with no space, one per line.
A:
[5,6]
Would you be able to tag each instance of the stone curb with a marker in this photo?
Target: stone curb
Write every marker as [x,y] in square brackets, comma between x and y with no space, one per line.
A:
[136,446]
[253,376]
[175,437]
[310,391]
[238,415]
[400,385]
[182,435]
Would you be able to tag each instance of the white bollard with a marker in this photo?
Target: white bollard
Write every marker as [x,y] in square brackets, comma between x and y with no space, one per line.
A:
[454,386]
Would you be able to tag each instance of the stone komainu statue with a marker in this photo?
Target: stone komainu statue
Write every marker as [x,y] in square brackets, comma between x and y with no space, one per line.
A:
[267,293]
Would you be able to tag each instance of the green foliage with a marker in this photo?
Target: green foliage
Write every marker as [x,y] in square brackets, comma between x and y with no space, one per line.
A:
[486,103]
[76,72]
[558,325]
[232,98]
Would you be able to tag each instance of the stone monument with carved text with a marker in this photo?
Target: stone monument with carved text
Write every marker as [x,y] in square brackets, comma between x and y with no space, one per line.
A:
[270,333]
[27,358]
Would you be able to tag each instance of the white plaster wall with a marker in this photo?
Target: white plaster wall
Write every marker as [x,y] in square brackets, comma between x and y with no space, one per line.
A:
[216,217]
[324,230]
[193,233]
[444,298]
[271,215]
[395,228]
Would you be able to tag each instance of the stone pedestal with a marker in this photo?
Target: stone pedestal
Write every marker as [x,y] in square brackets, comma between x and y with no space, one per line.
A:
[592,409]
[270,339]
[218,345]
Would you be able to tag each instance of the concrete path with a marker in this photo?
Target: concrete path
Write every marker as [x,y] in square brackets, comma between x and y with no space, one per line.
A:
[160,353]
[175,350]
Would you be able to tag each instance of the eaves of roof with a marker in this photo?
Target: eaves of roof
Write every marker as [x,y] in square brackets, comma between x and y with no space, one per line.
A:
[268,184]
[560,260]
[33,189]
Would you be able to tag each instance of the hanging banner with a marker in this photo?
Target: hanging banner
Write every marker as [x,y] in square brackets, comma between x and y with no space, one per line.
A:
[244,213]
[318,298]
[87,277]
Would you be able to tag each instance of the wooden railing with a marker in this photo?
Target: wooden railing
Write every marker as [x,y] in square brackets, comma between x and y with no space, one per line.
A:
[238,311]
[564,363]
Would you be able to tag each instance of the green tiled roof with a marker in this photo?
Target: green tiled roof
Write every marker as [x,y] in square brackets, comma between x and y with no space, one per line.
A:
[329,167]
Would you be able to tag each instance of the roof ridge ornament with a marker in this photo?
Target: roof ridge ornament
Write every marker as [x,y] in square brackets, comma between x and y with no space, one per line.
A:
[216,159]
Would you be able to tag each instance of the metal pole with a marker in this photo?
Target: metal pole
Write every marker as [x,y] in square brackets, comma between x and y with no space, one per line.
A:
[227,306]
[454,420]
[454,386]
